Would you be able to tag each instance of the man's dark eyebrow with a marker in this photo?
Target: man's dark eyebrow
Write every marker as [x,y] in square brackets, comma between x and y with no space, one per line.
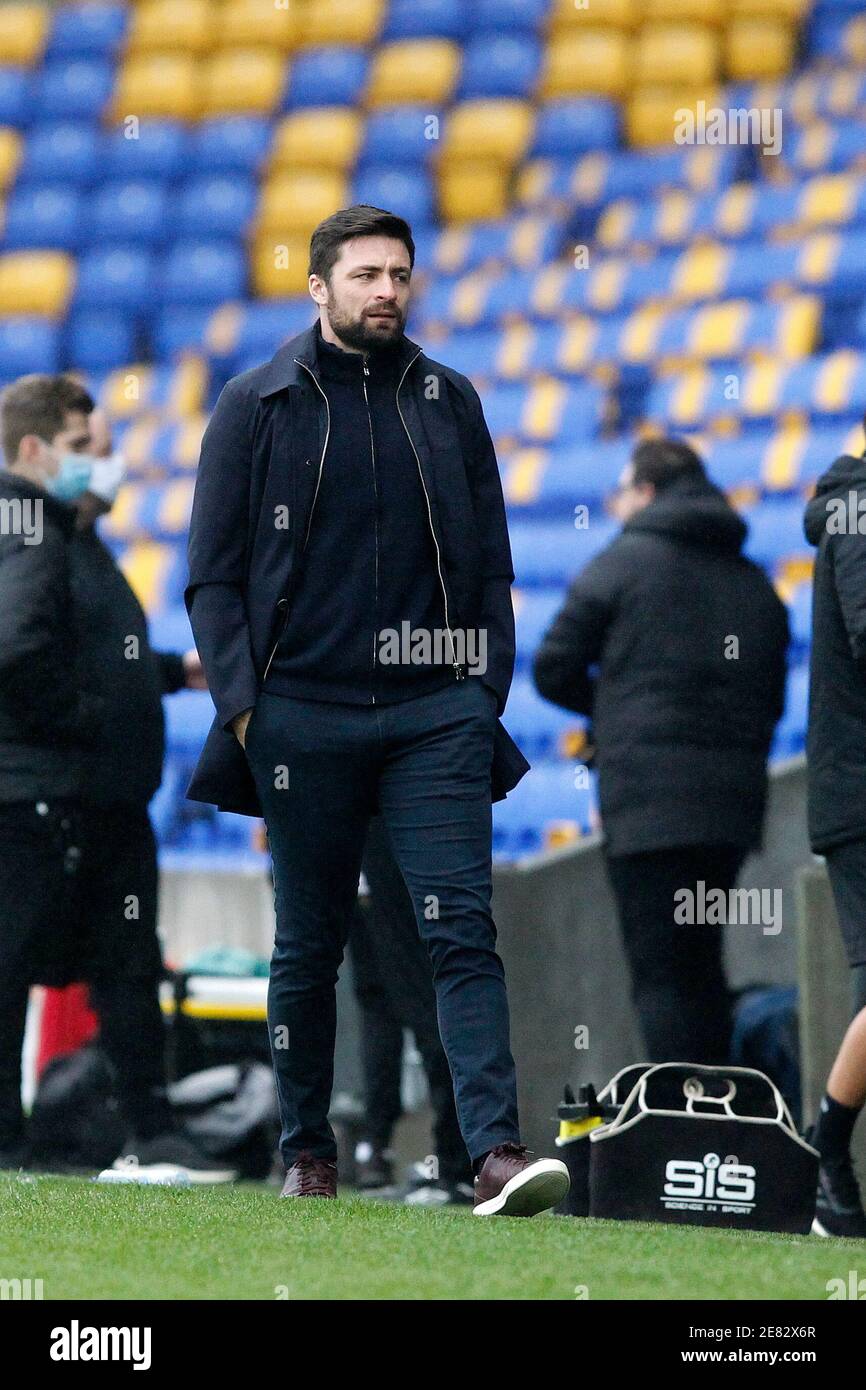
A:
[377,267]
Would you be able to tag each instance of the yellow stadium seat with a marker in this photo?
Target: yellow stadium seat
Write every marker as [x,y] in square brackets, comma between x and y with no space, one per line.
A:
[36,282]
[607,14]
[592,60]
[242,80]
[676,53]
[158,84]
[23,30]
[497,130]
[342,22]
[295,202]
[698,11]
[759,48]
[185,25]
[248,23]
[469,191]
[278,267]
[319,137]
[653,114]
[10,155]
[146,565]
[792,10]
[413,70]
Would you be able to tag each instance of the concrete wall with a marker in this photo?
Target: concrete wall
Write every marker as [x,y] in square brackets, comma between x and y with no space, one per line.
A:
[560,943]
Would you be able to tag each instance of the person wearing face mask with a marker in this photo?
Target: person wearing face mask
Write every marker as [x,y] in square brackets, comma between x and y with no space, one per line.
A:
[46,716]
[117,890]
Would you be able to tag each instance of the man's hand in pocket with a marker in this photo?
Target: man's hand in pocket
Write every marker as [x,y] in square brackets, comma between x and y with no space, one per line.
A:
[239,725]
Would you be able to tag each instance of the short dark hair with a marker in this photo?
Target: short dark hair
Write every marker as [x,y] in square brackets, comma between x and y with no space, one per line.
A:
[39,404]
[342,226]
[664,461]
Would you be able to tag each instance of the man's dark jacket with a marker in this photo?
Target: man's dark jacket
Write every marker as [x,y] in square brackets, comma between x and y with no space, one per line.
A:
[261,459]
[125,755]
[689,639]
[836,743]
[44,719]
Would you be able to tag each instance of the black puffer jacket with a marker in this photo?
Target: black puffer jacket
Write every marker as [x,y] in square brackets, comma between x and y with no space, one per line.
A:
[44,719]
[836,744]
[689,639]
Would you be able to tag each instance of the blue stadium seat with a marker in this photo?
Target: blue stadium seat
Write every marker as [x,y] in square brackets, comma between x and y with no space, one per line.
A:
[775,530]
[176,330]
[133,212]
[16,96]
[231,143]
[499,65]
[535,610]
[509,16]
[790,735]
[547,553]
[121,277]
[202,272]
[574,126]
[223,204]
[28,345]
[160,150]
[86,30]
[341,72]
[67,152]
[43,215]
[97,340]
[400,135]
[410,190]
[536,725]
[261,329]
[73,91]
[423,19]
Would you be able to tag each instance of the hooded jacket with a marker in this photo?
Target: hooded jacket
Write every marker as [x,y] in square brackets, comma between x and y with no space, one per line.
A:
[835,523]
[674,644]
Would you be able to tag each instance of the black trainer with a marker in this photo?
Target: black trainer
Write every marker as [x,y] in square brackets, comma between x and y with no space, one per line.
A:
[374,1167]
[839,1206]
[170,1153]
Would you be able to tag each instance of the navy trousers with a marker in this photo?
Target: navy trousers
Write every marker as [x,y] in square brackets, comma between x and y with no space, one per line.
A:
[321,771]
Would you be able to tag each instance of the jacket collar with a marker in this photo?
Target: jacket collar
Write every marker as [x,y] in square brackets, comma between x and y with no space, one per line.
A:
[60,513]
[283,369]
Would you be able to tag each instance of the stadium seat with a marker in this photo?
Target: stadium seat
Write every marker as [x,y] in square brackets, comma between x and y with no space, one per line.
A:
[72,91]
[571,127]
[87,30]
[421,19]
[470,190]
[35,282]
[499,65]
[10,156]
[157,84]
[237,81]
[670,53]
[323,22]
[499,131]
[183,25]
[96,340]
[410,190]
[152,149]
[335,74]
[63,152]
[119,277]
[39,215]
[588,61]
[296,201]
[23,31]
[27,345]
[129,212]
[17,89]
[278,265]
[228,144]
[248,23]
[412,71]
[619,14]
[202,272]
[758,48]
[400,135]
[224,204]
[651,113]
[325,137]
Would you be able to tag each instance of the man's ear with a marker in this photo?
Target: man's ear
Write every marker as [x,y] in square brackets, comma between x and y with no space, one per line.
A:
[318,289]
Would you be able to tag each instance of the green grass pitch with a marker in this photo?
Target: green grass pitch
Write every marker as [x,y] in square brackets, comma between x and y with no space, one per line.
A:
[123,1242]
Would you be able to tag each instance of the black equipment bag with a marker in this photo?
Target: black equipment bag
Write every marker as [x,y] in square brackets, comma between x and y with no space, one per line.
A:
[702,1146]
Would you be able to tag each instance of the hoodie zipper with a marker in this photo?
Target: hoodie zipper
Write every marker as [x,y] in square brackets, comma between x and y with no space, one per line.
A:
[364,375]
[458,670]
[312,509]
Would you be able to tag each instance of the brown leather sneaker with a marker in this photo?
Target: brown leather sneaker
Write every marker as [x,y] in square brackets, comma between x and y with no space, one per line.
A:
[310,1177]
[512,1184]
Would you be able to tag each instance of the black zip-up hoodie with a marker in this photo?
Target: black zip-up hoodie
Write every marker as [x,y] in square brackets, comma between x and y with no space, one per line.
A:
[370,563]
[836,744]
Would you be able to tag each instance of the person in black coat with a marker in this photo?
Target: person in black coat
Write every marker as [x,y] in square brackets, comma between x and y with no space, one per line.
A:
[835,523]
[46,719]
[674,644]
[347,504]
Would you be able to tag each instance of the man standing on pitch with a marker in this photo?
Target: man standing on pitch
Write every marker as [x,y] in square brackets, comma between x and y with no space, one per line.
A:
[349,592]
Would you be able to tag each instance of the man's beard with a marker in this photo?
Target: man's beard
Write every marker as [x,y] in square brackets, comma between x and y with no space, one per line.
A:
[362,334]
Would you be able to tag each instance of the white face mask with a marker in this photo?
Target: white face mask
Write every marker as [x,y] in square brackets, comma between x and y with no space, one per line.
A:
[107,477]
